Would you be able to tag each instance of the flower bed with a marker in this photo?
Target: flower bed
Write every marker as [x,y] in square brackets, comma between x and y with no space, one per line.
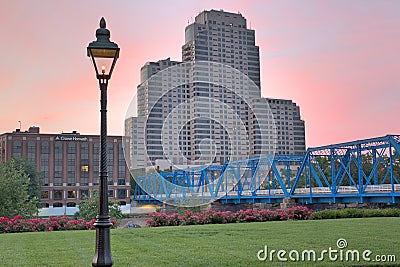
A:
[57,223]
[218,217]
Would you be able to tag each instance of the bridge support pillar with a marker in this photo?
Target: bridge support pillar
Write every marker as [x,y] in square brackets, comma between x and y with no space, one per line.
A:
[288,203]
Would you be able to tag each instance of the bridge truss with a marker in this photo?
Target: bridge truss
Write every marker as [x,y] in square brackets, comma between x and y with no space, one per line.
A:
[361,171]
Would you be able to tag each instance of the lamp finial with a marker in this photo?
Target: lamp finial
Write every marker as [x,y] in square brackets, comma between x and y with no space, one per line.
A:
[103,23]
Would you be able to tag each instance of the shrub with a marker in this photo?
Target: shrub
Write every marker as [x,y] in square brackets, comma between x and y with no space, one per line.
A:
[299,213]
[18,224]
[219,217]
[88,207]
[325,214]
[356,213]
[254,215]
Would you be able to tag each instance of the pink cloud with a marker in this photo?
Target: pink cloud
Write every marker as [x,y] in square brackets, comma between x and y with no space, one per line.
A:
[337,60]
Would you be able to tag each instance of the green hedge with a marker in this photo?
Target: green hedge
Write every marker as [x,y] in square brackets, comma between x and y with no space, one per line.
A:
[355,213]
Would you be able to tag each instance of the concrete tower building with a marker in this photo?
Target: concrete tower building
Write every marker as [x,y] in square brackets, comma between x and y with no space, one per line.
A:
[208,108]
[223,37]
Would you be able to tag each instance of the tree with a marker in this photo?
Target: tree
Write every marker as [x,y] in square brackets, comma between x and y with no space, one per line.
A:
[35,183]
[88,207]
[14,191]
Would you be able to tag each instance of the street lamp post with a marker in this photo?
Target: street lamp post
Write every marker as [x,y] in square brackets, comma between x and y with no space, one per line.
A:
[104,55]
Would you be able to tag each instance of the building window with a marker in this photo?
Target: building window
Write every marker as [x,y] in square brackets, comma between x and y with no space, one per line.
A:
[121,193]
[71,158]
[110,161]
[58,163]
[84,193]
[110,193]
[2,151]
[44,162]
[84,175]
[32,152]
[44,195]
[121,163]
[71,194]
[96,165]
[58,194]
[17,149]
[57,205]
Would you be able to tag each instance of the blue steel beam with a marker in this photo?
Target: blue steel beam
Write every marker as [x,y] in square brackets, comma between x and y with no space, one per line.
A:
[260,180]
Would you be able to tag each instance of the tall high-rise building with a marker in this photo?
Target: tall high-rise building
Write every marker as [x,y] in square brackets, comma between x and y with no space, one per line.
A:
[208,109]
[290,138]
[223,37]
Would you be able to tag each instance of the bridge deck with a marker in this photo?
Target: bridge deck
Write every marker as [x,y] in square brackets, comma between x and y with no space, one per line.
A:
[360,171]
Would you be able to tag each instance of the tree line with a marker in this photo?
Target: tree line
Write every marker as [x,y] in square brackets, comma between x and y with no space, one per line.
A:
[20,192]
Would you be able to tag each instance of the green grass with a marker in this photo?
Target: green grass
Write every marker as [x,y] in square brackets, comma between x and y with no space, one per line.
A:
[204,245]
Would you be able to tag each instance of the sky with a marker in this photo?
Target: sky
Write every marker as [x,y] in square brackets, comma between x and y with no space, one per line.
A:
[338,60]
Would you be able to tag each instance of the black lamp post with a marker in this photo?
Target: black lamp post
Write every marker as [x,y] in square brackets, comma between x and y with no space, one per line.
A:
[104,54]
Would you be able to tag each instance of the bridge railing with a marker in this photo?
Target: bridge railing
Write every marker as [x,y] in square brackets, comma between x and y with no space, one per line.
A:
[359,168]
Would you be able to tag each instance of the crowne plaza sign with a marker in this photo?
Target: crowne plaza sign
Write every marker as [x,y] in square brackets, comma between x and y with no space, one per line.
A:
[70,138]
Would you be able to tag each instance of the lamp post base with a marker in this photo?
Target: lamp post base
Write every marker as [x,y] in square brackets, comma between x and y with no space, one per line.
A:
[102,255]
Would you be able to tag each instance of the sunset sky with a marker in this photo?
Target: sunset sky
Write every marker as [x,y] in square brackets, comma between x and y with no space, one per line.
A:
[338,60]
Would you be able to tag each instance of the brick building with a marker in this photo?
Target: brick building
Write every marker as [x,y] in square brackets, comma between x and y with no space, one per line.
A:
[69,166]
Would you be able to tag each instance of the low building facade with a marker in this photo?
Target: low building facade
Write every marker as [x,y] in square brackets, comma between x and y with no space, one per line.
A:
[69,166]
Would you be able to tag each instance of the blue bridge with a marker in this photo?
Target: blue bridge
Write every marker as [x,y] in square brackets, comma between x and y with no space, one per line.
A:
[362,171]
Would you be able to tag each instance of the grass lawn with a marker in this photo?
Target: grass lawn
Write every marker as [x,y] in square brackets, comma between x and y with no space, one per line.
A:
[206,245]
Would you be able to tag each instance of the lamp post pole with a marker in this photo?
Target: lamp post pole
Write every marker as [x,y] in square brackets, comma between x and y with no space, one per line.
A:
[104,55]
[103,255]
